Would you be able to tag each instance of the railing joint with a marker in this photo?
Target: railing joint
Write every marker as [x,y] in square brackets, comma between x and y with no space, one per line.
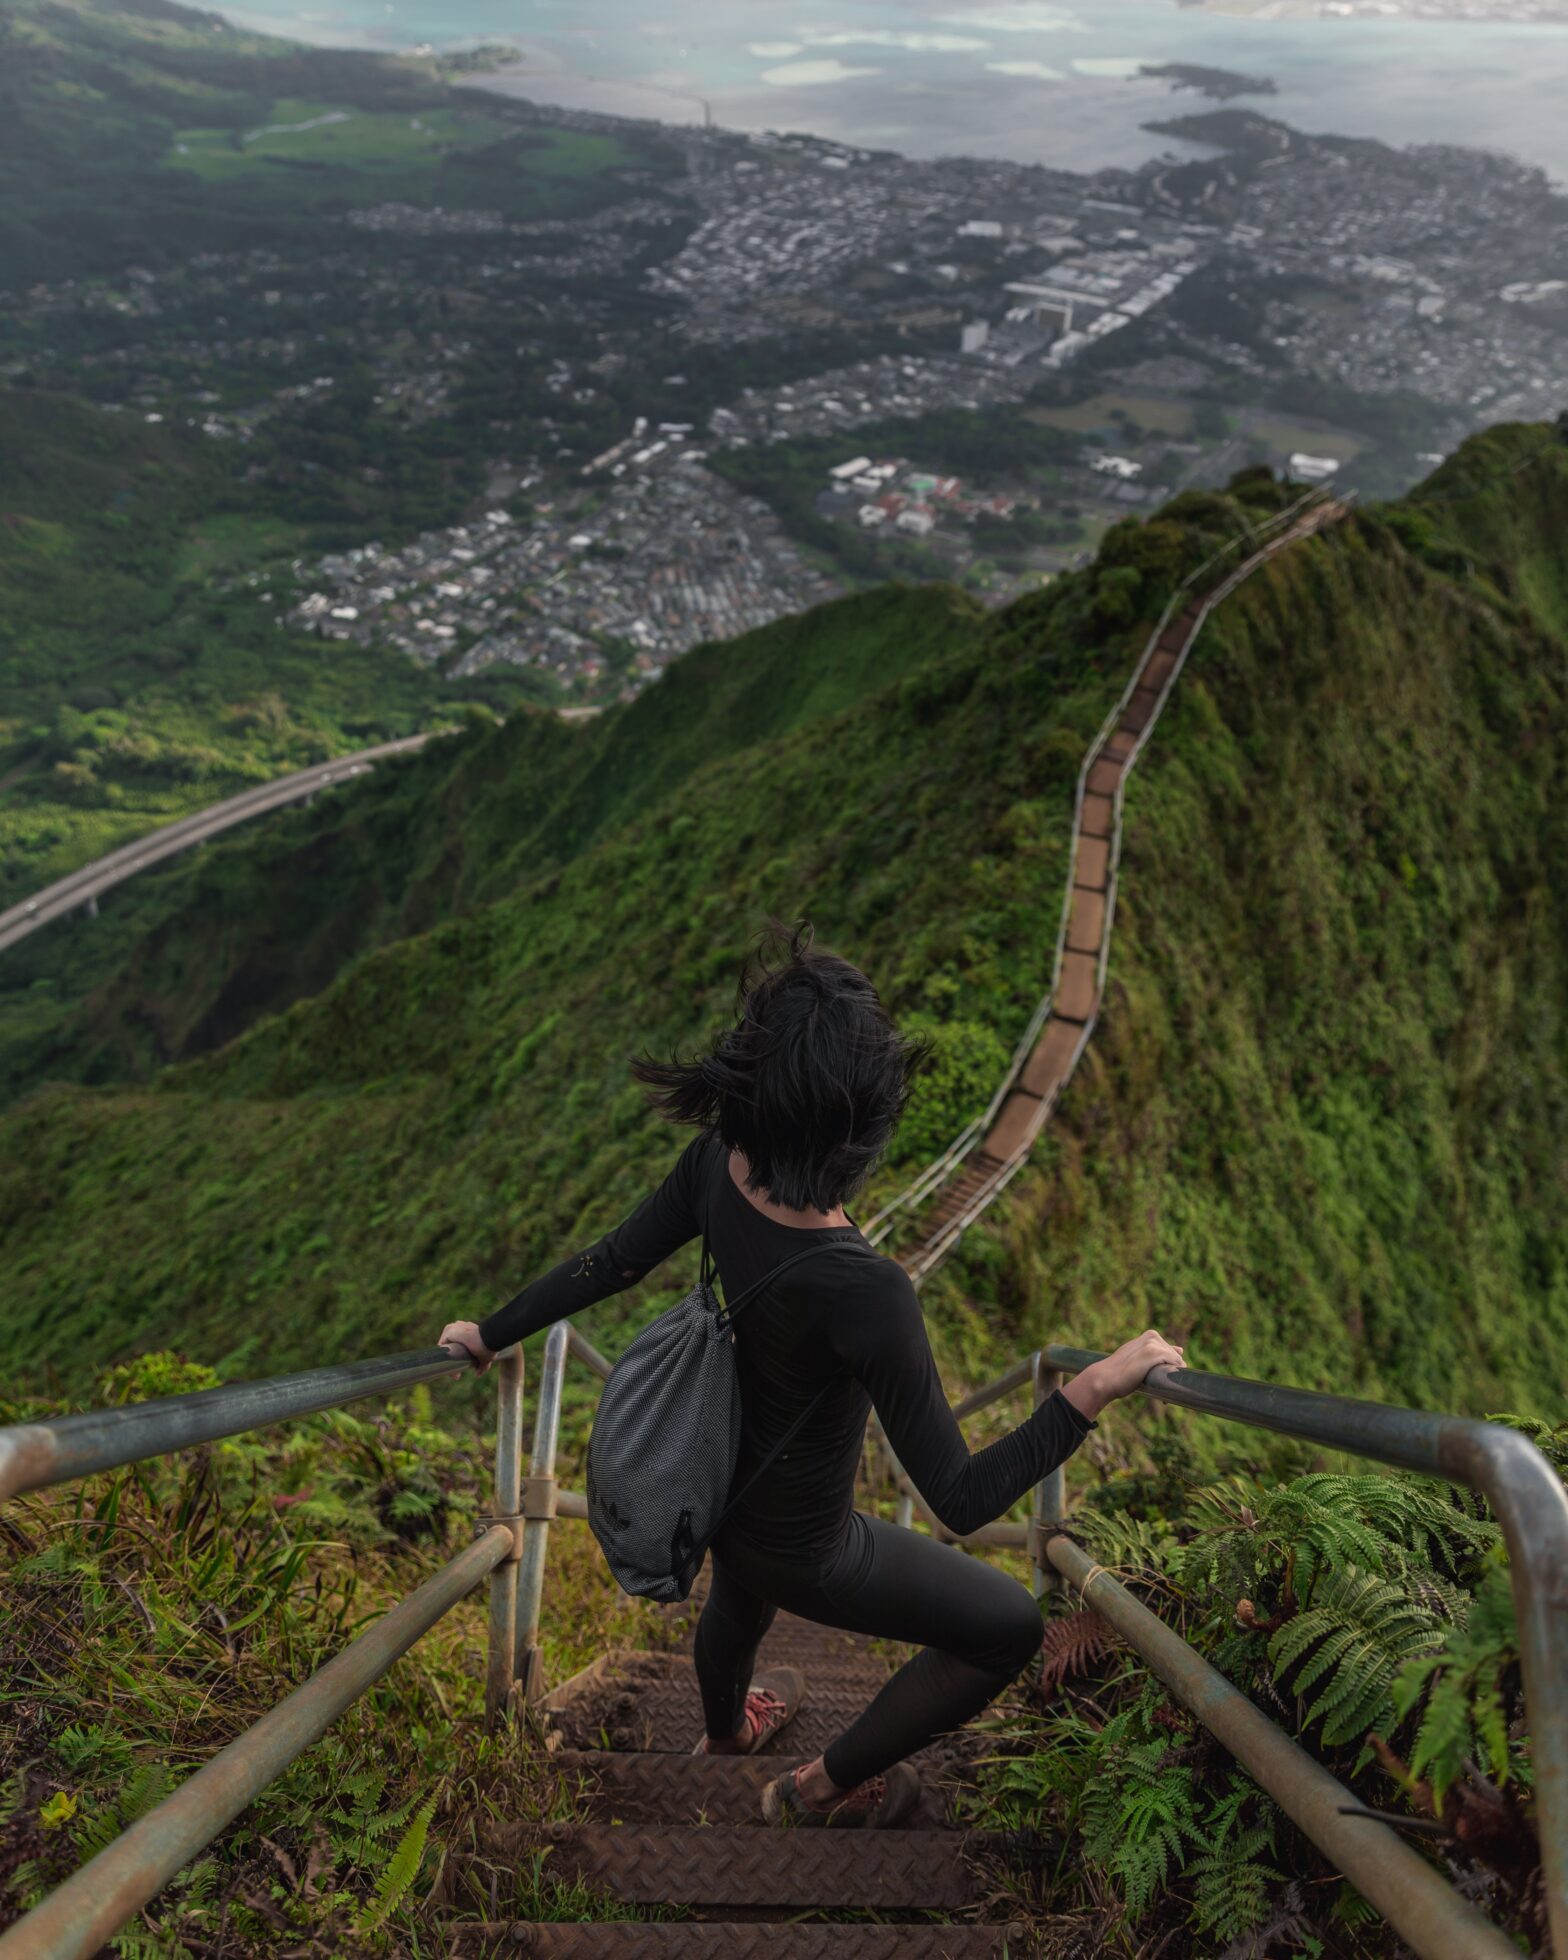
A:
[513,1522]
[541,1498]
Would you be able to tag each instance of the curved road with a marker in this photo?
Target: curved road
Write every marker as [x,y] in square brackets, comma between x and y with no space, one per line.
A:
[94,879]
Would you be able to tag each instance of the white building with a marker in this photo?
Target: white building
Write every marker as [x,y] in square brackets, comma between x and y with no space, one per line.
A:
[1312,469]
[918,523]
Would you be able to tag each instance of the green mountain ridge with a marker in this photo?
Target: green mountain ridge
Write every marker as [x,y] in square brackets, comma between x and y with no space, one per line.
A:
[1319,1131]
[271,917]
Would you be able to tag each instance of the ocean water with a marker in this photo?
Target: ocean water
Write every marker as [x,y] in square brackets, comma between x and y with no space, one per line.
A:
[1029,80]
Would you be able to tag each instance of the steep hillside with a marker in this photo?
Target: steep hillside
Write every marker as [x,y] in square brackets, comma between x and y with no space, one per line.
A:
[201,951]
[1322,1124]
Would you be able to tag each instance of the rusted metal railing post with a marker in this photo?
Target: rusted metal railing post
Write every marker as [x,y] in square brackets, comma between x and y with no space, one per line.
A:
[1050,1494]
[502,1655]
[539,1507]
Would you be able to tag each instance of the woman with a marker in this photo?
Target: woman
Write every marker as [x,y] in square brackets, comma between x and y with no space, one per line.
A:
[794,1106]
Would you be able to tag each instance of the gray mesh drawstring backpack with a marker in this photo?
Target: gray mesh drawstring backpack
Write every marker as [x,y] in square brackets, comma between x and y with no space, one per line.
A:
[665,1440]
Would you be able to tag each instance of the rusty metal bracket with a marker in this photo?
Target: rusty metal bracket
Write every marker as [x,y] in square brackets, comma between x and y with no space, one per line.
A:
[1041,1532]
[513,1522]
[540,1498]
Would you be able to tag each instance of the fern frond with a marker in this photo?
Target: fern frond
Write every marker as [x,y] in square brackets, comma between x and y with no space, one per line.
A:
[402,1868]
[1353,1641]
[1072,1645]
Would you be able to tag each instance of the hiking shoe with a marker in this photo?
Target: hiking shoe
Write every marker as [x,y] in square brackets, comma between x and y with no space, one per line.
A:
[773,1699]
[881,1803]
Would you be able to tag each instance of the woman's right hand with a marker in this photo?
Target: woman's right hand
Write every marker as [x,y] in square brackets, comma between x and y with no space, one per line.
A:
[1120,1373]
[464,1334]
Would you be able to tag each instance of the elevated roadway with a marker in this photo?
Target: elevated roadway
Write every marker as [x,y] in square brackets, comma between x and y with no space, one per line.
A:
[87,885]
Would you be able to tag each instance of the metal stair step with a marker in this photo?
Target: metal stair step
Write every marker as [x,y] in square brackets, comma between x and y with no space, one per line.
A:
[687,1939]
[722,1865]
[669,1720]
[638,1788]
[651,1701]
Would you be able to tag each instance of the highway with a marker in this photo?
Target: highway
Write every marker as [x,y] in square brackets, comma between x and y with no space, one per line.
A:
[103,874]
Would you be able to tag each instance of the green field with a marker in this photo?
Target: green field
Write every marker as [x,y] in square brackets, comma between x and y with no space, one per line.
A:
[458,156]
[1101,413]
[298,131]
[1284,438]
[128,133]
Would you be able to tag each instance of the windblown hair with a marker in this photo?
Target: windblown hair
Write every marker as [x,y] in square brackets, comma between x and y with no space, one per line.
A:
[809,1083]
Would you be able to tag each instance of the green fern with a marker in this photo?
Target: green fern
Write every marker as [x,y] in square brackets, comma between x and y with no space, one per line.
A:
[1248,1535]
[401,1869]
[1466,1716]
[146,1789]
[1353,1640]
[1232,1888]
[1137,1810]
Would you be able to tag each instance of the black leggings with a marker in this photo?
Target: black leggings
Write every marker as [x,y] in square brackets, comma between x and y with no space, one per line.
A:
[978,1628]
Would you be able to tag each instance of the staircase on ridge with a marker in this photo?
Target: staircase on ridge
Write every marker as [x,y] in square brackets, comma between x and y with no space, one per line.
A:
[658,1826]
[1032,1090]
[1032,1094]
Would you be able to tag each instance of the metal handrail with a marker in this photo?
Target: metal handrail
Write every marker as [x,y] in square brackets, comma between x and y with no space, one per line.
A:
[1525,1493]
[35,1455]
[1527,1498]
[95,1901]
[76,1919]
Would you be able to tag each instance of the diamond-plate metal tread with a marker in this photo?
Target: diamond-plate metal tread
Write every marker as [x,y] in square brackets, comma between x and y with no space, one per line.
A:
[725,1866]
[670,1719]
[650,1701]
[636,1788]
[687,1939]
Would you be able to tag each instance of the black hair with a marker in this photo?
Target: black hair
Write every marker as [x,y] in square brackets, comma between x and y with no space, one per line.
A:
[809,1083]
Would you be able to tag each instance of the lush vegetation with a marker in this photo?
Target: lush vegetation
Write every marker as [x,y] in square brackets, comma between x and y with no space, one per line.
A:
[1324,1104]
[183,959]
[145,677]
[148,1617]
[456,1104]
[1323,1117]
[1319,1132]
[1369,1613]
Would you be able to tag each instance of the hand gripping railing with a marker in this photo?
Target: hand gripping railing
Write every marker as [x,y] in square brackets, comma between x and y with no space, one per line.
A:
[510,1549]
[1526,1496]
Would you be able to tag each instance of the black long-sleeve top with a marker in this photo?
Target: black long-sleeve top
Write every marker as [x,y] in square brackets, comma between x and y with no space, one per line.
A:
[848,1322]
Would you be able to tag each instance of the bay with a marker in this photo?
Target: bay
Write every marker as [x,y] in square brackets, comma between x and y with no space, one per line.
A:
[1024,79]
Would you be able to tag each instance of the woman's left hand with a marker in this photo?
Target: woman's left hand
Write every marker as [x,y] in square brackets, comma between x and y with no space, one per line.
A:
[464,1334]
